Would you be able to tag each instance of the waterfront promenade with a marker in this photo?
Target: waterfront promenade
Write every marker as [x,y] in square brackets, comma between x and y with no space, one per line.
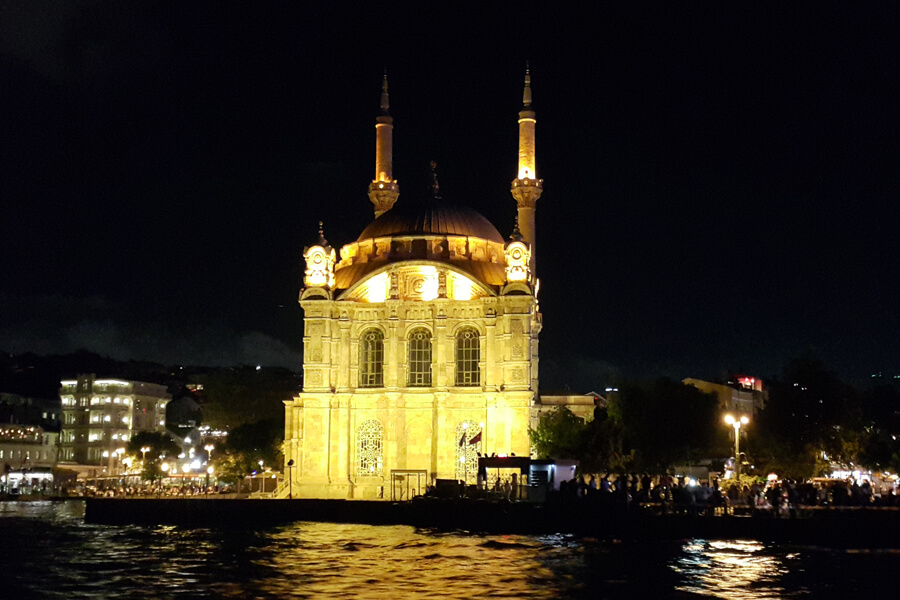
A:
[858,528]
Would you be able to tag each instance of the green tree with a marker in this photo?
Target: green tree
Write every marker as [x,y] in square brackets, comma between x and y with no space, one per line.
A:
[160,445]
[245,446]
[559,434]
[241,395]
[604,444]
[665,422]
[811,419]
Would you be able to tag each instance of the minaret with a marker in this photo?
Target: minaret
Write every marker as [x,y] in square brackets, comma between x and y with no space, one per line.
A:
[384,189]
[527,188]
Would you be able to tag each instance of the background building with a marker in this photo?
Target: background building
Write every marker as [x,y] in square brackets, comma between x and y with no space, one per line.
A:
[421,343]
[742,395]
[99,416]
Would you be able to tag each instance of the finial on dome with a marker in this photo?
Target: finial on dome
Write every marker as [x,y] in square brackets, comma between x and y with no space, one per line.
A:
[385,101]
[516,235]
[526,95]
[435,186]
[322,241]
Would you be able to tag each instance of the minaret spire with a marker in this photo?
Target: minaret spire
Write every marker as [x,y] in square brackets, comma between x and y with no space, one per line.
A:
[385,101]
[527,188]
[384,189]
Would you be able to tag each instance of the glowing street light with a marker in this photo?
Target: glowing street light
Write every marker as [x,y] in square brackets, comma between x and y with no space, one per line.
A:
[736,423]
[165,469]
[144,451]
[209,471]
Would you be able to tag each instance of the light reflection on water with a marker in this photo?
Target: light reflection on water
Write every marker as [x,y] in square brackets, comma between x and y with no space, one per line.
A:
[731,569]
[47,551]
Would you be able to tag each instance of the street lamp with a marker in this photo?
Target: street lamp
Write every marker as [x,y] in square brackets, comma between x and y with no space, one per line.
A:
[736,423]
[165,469]
[290,466]
[119,453]
[209,471]
[185,469]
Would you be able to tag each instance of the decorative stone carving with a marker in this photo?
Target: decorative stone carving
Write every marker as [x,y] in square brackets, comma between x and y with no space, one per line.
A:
[319,267]
[518,259]
[442,284]
[395,285]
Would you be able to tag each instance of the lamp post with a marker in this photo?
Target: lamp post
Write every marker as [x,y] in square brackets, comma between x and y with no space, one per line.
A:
[165,469]
[465,465]
[119,453]
[261,478]
[185,469]
[290,466]
[209,471]
[736,423]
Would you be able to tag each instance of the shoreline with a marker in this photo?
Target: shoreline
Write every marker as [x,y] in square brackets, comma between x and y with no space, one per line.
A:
[865,528]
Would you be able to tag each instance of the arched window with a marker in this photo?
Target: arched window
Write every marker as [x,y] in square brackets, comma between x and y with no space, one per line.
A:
[419,358]
[371,359]
[468,445]
[369,449]
[468,355]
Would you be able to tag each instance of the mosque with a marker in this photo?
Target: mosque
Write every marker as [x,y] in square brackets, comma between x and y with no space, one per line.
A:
[420,342]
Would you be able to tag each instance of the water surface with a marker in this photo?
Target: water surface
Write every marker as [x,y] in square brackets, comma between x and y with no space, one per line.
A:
[47,551]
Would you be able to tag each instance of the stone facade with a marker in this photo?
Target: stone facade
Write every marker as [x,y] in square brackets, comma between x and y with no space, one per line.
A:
[420,345]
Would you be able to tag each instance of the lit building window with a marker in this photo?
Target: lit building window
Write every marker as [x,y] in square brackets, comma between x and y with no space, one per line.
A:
[371,359]
[419,358]
[369,449]
[468,355]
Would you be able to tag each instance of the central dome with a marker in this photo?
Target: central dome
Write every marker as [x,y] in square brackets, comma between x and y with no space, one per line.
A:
[433,216]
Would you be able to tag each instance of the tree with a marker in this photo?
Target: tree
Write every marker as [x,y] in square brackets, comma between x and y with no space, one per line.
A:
[811,419]
[559,434]
[242,395]
[665,422]
[248,444]
[603,444]
[160,445]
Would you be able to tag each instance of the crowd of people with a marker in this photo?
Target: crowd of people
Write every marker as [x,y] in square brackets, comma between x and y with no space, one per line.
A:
[681,495]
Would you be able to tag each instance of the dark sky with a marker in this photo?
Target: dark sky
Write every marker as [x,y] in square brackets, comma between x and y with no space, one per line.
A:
[719,185]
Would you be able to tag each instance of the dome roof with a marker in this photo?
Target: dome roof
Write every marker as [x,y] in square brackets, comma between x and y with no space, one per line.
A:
[433,216]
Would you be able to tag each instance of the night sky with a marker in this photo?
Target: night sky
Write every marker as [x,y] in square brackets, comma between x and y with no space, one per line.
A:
[720,186]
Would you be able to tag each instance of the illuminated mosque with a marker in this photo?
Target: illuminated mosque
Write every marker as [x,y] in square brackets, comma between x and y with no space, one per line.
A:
[420,345]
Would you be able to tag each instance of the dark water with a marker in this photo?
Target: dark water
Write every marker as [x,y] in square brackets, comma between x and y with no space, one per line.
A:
[46,551]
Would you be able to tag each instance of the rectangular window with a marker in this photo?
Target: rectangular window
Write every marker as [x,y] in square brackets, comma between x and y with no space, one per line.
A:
[420,358]
[371,359]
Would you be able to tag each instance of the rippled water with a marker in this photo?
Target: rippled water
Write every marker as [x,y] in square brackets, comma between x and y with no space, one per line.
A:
[46,551]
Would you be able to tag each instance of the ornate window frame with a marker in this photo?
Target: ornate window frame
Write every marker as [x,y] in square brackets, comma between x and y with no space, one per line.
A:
[468,357]
[419,358]
[371,358]
[370,449]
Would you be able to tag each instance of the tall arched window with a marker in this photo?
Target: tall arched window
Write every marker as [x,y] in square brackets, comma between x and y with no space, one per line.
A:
[369,449]
[468,355]
[419,358]
[371,359]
